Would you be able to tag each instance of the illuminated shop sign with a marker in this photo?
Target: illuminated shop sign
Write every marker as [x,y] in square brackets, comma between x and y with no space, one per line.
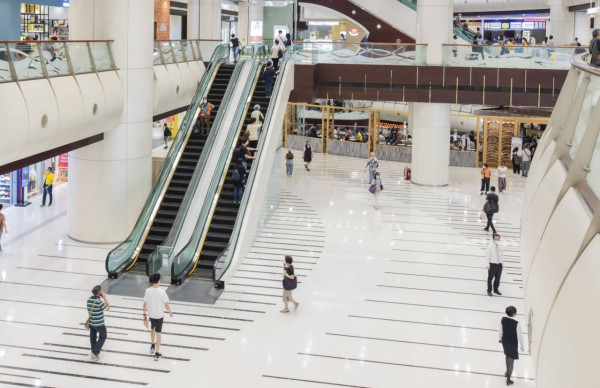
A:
[516,25]
[323,23]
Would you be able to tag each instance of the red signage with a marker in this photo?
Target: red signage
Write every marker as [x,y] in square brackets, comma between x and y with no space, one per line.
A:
[63,160]
[354,31]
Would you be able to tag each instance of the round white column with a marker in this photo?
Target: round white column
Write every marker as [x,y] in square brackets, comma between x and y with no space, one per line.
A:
[431,144]
[110,181]
[210,19]
[562,21]
[434,27]
[431,122]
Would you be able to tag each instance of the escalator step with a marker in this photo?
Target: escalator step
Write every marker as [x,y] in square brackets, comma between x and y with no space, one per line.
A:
[216,236]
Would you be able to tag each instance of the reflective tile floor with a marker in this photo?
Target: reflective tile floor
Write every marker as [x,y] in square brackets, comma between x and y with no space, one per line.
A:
[388,298]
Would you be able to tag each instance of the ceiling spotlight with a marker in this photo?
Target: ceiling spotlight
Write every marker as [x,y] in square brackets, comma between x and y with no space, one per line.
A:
[353,12]
[379,26]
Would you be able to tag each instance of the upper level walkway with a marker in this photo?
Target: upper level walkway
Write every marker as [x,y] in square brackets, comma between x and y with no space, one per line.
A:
[520,76]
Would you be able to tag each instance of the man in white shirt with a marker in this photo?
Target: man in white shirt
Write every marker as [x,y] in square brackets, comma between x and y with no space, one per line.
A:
[495,257]
[526,161]
[155,301]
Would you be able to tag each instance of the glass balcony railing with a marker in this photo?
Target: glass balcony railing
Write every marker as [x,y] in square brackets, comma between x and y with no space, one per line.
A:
[310,53]
[127,251]
[515,57]
[25,60]
[183,262]
[177,51]
[410,3]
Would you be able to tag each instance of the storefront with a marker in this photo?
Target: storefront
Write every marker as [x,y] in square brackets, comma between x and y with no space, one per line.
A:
[43,21]
[515,28]
[331,30]
[18,187]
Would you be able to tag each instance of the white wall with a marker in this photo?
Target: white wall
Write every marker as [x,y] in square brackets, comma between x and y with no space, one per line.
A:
[582,28]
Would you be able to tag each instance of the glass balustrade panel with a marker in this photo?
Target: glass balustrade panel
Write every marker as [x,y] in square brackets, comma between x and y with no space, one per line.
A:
[80,57]
[6,74]
[101,55]
[26,59]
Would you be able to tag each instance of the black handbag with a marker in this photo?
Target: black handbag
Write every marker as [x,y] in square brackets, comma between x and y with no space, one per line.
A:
[290,284]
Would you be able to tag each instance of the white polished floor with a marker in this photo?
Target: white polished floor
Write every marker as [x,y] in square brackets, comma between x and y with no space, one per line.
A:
[388,298]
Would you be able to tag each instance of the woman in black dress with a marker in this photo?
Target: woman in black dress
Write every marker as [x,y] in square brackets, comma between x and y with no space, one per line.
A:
[510,336]
[307,156]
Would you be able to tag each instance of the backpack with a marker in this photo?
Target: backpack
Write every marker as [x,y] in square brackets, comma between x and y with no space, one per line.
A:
[168,132]
[235,176]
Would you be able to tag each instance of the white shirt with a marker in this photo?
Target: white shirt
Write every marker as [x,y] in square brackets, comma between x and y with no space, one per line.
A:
[275,51]
[256,114]
[519,333]
[502,171]
[526,155]
[155,299]
[532,41]
[253,129]
[494,254]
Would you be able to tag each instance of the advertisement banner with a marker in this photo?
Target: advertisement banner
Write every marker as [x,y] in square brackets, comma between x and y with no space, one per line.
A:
[256,31]
[63,160]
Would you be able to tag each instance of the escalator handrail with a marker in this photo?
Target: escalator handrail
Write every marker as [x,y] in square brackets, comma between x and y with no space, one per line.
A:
[130,248]
[200,168]
[251,177]
[205,218]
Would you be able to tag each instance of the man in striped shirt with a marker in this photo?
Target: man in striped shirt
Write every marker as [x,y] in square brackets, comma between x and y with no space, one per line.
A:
[96,304]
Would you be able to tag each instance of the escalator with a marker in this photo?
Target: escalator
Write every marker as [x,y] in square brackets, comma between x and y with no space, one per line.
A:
[225,213]
[178,186]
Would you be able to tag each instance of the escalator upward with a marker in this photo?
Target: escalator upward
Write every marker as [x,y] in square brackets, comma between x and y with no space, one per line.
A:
[225,214]
[169,207]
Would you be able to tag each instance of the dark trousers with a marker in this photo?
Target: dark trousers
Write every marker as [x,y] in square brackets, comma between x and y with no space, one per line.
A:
[268,87]
[516,168]
[494,273]
[47,191]
[485,184]
[97,338]
[275,63]
[237,193]
[490,224]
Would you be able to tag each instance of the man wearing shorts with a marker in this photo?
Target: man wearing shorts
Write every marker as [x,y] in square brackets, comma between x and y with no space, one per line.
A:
[155,301]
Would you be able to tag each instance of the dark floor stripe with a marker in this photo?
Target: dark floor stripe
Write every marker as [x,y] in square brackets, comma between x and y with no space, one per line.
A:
[281,234]
[424,323]
[250,293]
[437,253]
[449,292]
[45,286]
[141,368]
[287,249]
[72,258]
[252,285]
[309,243]
[274,266]
[55,326]
[268,272]
[415,343]
[15,384]
[145,355]
[283,252]
[185,324]
[188,314]
[314,381]
[25,377]
[140,342]
[165,332]
[83,246]
[279,260]
[59,271]
[410,365]
[443,277]
[247,301]
[445,265]
[73,375]
[434,306]
[268,280]
[47,350]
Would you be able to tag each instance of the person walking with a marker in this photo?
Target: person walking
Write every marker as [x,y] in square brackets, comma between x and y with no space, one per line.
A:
[373,165]
[595,48]
[205,108]
[526,161]
[490,208]
[290,282]
[510,336]
[502,177]
[235,47]
[276,53]
[485,179]
[307,156]
[516,160]
[96,304]
[237,176]
[166,135]
[48,185]
[289,163]
[155,301]
[495,259]
[2,225]
[375,188]
[269,75]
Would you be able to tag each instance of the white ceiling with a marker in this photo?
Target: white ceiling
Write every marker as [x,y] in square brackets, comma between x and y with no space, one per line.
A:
[507,5]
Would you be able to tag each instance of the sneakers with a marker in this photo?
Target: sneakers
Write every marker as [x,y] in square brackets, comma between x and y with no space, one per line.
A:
[157,356]
[497,292]
[152,348]
[94,357]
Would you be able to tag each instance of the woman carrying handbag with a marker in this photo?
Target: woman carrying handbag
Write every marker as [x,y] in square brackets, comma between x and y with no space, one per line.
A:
[289,284]
[375,188]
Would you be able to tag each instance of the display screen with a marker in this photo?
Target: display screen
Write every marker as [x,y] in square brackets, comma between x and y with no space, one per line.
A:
[515,25]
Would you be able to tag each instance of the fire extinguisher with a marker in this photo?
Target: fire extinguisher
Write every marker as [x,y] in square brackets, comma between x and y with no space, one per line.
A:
[407,172]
